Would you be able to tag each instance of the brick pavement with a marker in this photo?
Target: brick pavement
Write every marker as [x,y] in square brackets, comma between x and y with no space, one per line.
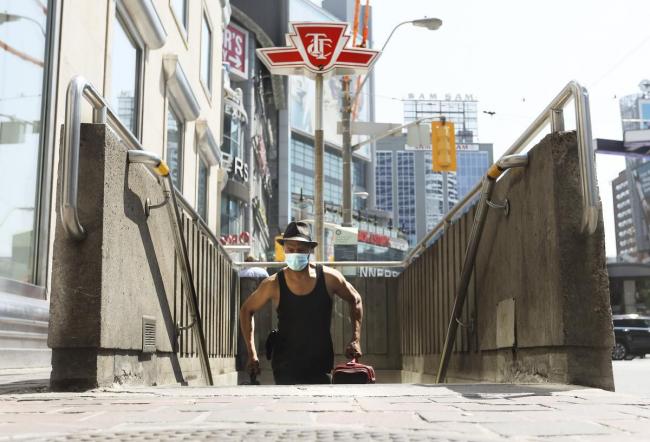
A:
[482,412]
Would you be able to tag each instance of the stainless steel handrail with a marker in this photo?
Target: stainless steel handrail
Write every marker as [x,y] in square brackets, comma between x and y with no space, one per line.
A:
[487,186]
[276,264]
[80,88]
[553,114]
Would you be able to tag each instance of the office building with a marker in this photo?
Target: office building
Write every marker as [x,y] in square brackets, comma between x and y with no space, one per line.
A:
[631,189]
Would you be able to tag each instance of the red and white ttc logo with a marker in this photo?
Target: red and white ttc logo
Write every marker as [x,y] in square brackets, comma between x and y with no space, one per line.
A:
[317,48]
[319,45]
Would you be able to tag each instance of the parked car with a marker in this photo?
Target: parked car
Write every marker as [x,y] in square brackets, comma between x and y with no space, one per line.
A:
[632,333]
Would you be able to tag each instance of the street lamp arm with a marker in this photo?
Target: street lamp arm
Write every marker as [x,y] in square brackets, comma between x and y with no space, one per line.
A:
[365,78]
[390,132]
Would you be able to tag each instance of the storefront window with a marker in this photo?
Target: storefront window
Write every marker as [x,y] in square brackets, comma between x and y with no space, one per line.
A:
[125,56]
[206,54]
[175,147]
[23,35]
[202,191]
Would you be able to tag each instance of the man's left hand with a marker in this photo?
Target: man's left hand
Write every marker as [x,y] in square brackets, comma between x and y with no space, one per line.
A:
[353,350]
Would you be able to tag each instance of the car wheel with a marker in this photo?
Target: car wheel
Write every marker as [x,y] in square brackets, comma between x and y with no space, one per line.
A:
[619,352]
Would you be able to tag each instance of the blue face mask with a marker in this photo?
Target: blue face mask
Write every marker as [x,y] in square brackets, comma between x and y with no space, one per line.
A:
[297,261]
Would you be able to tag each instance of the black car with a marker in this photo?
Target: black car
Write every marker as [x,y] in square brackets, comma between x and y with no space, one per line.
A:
[632,333]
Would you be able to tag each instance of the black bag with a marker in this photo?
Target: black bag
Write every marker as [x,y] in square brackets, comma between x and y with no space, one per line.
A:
[272,342]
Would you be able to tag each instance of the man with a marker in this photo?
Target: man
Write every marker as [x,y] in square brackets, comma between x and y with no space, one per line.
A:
[302,294]
[253,272]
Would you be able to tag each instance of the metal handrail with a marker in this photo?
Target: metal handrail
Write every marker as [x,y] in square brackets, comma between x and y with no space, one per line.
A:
[80,88]
[553,114]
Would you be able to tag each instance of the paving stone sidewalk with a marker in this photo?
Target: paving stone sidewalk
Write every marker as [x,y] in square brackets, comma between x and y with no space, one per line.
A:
[483,412]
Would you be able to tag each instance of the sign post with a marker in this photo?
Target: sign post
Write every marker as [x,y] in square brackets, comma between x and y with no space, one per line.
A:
[318,50]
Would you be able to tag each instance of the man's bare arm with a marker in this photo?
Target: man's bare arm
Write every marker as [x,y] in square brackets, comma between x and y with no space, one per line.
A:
[348,293]
[254,302]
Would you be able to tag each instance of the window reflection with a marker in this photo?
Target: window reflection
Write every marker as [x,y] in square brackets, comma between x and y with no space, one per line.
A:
[175,147]
[231,222]
[202,191]
[232,135]
[206,54]
[180,10]
[23,36]
[125,57]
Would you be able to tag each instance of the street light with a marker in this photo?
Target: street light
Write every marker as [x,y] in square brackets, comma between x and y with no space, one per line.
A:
[6,17]
[431,24]
[427,23]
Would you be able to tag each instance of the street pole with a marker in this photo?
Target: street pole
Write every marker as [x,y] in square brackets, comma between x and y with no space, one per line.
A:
[346,111]
[445,195]
[346,146]
[319,153]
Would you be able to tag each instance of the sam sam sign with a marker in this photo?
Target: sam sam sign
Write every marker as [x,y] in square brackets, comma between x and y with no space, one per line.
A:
[235,50]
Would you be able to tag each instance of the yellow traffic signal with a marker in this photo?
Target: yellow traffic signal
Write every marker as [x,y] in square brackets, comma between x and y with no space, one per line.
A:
[279,250]
[443,146]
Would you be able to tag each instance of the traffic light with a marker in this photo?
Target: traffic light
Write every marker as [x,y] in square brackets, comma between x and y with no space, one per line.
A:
[279,250]
[443,146]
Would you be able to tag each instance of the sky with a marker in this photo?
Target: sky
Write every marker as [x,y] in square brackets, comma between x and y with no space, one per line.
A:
[515,57]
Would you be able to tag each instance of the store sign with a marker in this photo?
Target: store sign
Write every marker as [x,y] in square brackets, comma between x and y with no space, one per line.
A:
[345,235]
[468,147]
[235,166]
[235,52]
[242,239]
[374,238]
[399,244]
[373,272]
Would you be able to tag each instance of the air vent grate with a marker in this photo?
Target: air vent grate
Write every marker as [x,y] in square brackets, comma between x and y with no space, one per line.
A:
[148,334]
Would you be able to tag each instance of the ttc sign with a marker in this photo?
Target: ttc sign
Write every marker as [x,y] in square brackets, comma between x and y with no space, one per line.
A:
[317,48]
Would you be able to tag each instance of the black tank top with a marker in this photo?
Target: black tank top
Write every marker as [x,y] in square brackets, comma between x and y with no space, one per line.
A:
[305,344]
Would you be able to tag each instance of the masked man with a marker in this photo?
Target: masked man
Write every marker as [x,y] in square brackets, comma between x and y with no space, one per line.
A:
[302,294]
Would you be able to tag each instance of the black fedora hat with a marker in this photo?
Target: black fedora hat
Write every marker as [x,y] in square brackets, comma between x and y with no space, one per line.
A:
[297,231]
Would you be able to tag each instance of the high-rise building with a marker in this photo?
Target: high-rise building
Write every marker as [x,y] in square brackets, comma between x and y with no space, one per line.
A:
[406,186]
[411,190]
[631,189]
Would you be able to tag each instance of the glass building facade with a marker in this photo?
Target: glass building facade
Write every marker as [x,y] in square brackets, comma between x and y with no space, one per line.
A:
[629,190]
[406,201]
[25,34]
[418,205]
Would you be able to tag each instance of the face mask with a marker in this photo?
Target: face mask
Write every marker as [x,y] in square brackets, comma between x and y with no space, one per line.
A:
[297,261]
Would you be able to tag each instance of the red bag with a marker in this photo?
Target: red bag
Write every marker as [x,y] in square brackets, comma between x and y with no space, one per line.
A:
[353,373]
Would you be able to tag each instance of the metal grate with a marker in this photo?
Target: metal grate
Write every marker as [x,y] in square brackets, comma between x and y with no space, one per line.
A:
[148,334]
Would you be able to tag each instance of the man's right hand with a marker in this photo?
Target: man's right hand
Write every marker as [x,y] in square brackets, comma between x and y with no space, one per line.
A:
[253,366]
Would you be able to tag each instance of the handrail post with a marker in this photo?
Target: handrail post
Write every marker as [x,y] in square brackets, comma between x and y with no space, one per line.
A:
[70,157]
[557,120]
[590,212]
[487,186]
[188,280]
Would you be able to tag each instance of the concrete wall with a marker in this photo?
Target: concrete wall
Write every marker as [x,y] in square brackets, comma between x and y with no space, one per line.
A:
[125,269]
[539,299]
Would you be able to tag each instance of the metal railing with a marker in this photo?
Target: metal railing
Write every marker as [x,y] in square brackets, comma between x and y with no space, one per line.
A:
[215,296]
[553,115]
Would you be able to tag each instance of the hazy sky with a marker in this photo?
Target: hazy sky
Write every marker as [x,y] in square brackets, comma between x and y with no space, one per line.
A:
[515,56]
